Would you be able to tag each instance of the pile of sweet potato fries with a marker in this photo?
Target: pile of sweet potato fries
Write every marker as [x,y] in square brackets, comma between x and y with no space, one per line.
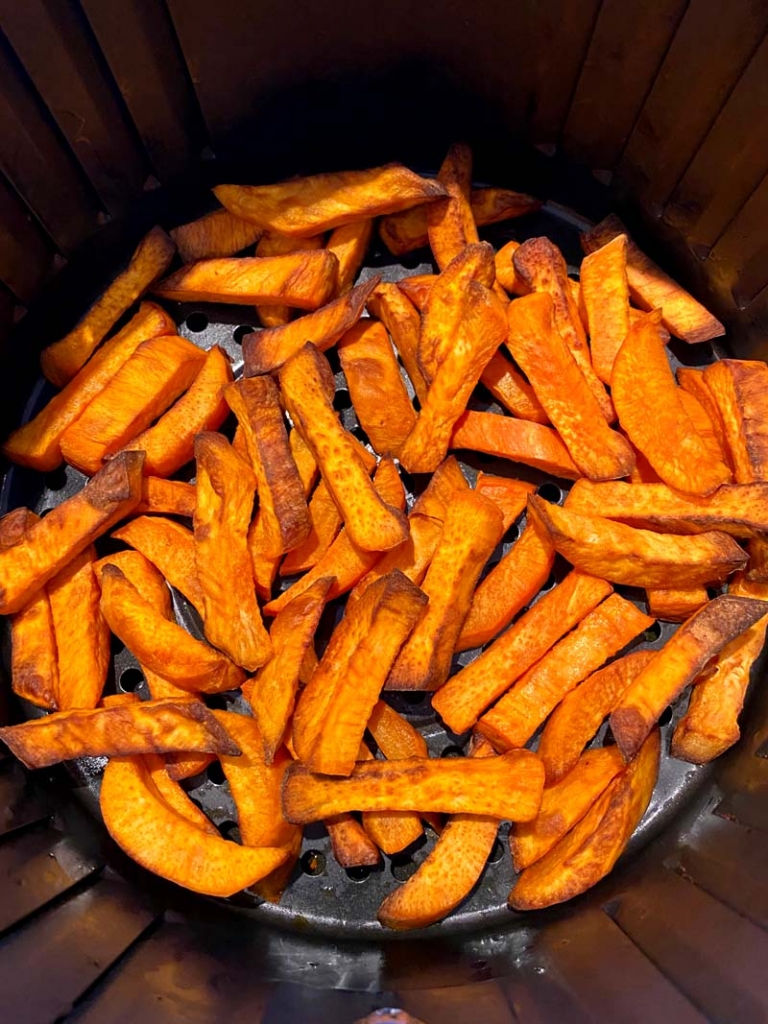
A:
[670,495]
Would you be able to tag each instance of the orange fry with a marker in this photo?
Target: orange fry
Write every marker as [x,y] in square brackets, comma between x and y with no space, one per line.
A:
[388,303]
[172,793]
[61,361]
[185,766]
[703,426]
[692,382]
[506,273]
[737,386]
[272,243]
[676,605]
[215,234]
[412,557]
[444,485]
[605,295]
[349,244]
[169,546]
[416,289]
[168,497]
[508,494]
[450,224]
[391,831]
[532,444]
[326,523]
[510,389]
[351,845]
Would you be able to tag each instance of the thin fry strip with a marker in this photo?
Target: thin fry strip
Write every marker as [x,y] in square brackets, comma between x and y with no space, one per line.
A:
[417,288]
[509,495]
[738,388]
[445,483]
[167,497]
[532,444]
[351,845]
[169,546]
[412,557]
[272,243]
[676,605]
[326,523]
[388,303]
[704,427]
[173,795]
[349,244]
[450,224]
[509,388]
[391,831]
[692,382]
[605,296]
[218,233]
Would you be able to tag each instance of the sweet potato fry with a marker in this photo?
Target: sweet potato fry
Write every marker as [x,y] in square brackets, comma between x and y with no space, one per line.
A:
[654,417]
[678,663]
[343,560]
[412,557]
[213,235]
[391,831]
[326,523]
[541,266]
[272,692]
[740,510]
[588,852]
[473,527]
[676,605]
[395,737]
[169,546]
[185,766]
[450,224]
[450,871]
[563,804]
[332,711]
[465,696]
[416,289]
[137,728]
[703,426]
[307,206]
[737,386]
[559,384]
[304,279]
[61,361]
[272,243]
[599,635]
[265,351]
[576,719]
[351,845]
[142,389]
[37,443]
[34,658]
[711,724]
[170,442]
[692,382]
[638,558]
[482,329]
[509,495]
[651,288]
[372,525]
[509,786]
[349,244]
[532,444]
[509,586]
[396,312]
[82,635]
[225,489]
[444,485]
[378,394]
[605,295]
[757,567]
[511,391]
[163,841]
[506,274]
[68,529]
[173,795]
[162,645]
[167,497]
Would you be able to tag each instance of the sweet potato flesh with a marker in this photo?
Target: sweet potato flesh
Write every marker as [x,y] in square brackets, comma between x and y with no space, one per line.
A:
[676,605]
[349,244]
[738,388]
[532,444]
[171,548]
[605,296]
[351,845]
[396,312]
[412,557]
[272,243]
[216,234]
[168,497]
[446,482]
[450,224]
[511,390]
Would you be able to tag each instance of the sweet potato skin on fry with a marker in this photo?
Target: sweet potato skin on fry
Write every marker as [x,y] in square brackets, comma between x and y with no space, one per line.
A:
[216,234]
[61,361]
[638,558]
[605,296]
[169,546]
[678,663]
[307,206]
[509,786]
[532,444]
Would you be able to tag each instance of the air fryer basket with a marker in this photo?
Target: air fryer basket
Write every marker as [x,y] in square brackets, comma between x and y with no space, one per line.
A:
[116,118]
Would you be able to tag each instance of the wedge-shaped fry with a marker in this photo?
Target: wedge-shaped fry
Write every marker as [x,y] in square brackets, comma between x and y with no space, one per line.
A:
[509,495]
[162,645]
[738,509]
[273,690]
[272,243]
[588,852]
[371,524]
[577,718]
[265,351]
[37,443]
[738,388]
[416,289]
[450,224]
[711,724]
[506,273]
[692,382]
[135,728]
[163,841]
[412,557]
[170,443]
[510,390]
[304,279]
[473,527]
[398,315]
[82,635]
[349,244]
[532,444]
[167,497]
[62,360]
[343,560]
[404,232]
[542,354]
[502,787]
[141,390]
[599,635]
[307,206]
[376,388]
[444,485]
[563,805]
[34,659]
[169,546]
[638,558]
[605,295]
[654,417]
[510,585]
[467,694]
[678,663]
[391,831]
[225,489]
[450,871]
[351,845]
[541,266]
[672,605]
[216,234]
[173,795]
[333,709]
[703,426]
[651,288]
[445,313]
[68,529]
[481,330]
